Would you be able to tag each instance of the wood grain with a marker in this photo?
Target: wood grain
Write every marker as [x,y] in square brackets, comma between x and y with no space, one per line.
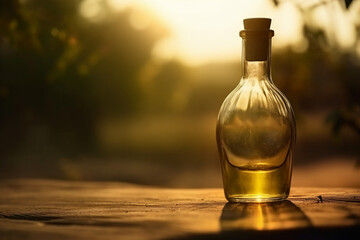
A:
[48,209]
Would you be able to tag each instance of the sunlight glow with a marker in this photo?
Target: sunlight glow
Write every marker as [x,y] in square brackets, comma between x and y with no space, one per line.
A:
[203,31]
[288,26]
[139,20]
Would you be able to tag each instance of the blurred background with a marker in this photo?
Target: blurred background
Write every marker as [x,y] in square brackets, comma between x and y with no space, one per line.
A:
[129,91]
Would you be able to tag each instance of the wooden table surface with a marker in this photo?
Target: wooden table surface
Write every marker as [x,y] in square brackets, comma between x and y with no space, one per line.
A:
[48,209]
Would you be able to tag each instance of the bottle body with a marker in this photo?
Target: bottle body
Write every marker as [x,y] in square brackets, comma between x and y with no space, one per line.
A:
[256,139]
[256,135]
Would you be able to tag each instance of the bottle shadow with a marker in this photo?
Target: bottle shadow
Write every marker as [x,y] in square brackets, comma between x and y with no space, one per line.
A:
[263,216]
[278,220]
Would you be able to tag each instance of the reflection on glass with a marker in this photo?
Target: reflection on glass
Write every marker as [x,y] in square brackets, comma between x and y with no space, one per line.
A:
[262,216]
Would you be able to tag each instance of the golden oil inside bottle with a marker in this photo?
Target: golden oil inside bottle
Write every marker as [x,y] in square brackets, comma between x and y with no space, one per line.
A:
[246,185]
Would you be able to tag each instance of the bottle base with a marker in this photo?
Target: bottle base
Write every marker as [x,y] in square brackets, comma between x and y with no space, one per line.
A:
[256,198]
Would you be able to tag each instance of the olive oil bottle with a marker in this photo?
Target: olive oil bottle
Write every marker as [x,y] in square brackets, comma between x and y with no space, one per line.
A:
[256,126]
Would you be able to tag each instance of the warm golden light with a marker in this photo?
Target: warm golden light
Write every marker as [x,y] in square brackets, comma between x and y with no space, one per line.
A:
[204,31]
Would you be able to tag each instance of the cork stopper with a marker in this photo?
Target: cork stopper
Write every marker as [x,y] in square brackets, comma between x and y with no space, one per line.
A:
[257,23]
[257,36]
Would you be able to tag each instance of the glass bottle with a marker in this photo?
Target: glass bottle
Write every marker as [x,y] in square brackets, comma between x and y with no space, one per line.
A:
[256,126]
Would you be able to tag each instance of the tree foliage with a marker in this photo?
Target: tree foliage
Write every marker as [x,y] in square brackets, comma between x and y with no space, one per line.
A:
[60,72]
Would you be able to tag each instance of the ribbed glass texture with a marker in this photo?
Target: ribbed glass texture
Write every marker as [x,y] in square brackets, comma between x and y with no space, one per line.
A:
[256,137]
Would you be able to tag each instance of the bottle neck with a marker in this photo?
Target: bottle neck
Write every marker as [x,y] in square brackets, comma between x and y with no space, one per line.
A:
[255,61]
[256,69]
